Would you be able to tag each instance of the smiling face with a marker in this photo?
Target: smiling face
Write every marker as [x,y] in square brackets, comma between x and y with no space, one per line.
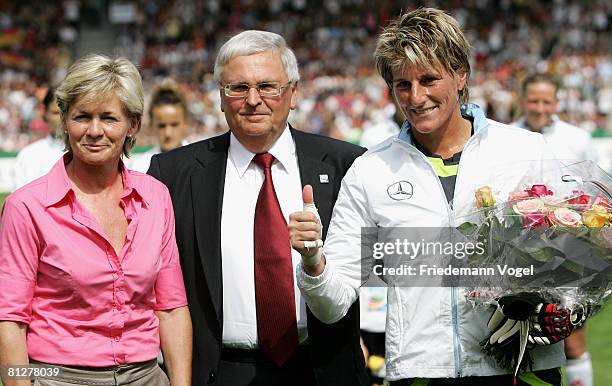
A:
[255,121]
[170,125]
[98,129]
[429,98]
[539,105]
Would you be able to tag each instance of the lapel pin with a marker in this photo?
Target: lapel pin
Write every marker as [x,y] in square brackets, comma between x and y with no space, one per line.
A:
[323,178]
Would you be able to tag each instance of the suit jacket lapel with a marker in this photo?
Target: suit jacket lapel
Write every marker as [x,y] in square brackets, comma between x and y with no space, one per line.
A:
[320,175]
[207,185]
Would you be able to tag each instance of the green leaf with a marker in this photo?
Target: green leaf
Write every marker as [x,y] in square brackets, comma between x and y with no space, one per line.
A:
[467,228]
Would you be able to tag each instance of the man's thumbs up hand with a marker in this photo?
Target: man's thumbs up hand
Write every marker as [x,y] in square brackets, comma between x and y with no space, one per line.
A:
[305,230]
[307,195]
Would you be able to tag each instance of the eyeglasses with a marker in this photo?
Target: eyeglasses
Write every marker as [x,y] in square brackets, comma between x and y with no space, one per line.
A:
[265,89]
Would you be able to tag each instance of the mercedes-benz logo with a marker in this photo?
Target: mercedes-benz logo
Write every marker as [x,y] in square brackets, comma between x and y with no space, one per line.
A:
[401,190]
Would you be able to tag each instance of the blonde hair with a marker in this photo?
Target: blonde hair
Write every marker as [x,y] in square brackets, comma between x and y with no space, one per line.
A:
[424,37]
[95,77]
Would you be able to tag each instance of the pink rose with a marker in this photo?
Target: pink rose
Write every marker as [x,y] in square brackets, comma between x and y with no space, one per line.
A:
[534,220]
[533,205]
[579,198]
[552,200]
[539,191]
[565,217]
[518,195]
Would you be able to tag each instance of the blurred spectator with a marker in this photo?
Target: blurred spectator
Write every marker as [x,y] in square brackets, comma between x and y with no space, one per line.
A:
[386,128]
[168,120]
[36,159]
[373,324]
[539,104]
[333,41]
[34,50]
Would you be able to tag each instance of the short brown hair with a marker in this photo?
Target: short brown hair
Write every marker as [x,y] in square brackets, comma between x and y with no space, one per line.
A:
[539,78]
[168,93]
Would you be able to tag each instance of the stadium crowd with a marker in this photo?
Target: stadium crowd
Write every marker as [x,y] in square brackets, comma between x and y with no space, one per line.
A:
[340,93]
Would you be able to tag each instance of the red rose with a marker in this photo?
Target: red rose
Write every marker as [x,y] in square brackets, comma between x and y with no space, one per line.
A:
[603,202]
[539,191]
[579,198]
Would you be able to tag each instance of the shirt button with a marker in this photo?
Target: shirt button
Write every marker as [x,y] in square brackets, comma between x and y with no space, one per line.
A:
[117,339]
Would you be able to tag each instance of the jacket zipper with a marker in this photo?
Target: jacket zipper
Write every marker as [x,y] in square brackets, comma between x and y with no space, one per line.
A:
[454,303]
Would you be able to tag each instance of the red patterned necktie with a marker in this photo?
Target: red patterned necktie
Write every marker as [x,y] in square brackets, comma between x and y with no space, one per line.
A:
[274,293]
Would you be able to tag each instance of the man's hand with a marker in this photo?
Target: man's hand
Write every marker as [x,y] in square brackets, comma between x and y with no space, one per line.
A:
[305,231]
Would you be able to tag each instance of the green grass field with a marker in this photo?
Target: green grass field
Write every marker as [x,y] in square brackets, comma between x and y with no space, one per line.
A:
[599,341]
[599,336]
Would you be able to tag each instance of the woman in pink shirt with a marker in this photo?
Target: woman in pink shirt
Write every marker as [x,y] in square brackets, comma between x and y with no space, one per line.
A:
[90,281]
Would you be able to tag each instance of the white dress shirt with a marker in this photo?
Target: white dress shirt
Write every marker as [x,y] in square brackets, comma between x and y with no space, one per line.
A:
[566,141]
[140,162]
[243,180]
[36,160]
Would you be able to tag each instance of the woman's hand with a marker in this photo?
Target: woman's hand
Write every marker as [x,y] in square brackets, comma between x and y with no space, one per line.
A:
[176,336]
[13,350]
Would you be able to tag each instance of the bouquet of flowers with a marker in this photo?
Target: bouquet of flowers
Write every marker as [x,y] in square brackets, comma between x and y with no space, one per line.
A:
[558,233]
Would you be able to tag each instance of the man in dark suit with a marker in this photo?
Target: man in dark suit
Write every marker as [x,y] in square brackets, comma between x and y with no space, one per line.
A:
[232,197]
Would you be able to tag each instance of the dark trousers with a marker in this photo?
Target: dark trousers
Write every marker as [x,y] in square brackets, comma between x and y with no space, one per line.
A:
[252,368]
[543,377]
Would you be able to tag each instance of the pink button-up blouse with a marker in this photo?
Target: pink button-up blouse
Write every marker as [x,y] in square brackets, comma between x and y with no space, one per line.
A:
[85,304]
